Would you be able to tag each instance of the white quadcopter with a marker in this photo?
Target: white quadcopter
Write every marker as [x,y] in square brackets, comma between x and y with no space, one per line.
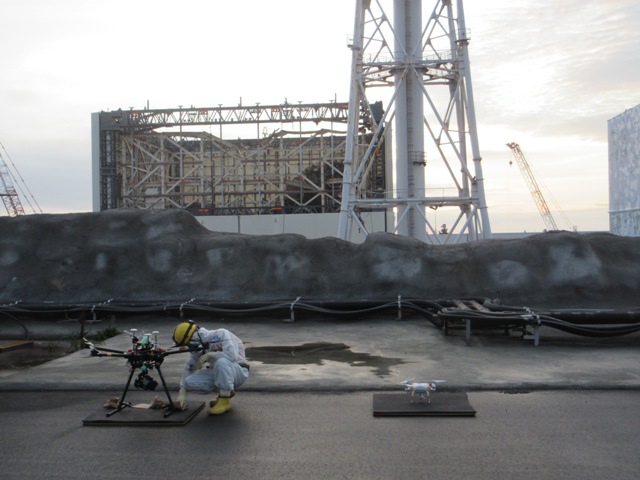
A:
[422,390]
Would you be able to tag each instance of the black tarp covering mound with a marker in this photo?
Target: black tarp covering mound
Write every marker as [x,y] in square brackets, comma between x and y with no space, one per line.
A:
[136,255]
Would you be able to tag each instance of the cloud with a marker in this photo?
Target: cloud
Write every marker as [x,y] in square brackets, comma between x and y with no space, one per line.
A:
[545,74]
[564,69]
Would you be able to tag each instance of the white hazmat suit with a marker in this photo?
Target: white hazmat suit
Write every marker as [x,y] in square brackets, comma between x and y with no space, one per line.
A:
[221,366]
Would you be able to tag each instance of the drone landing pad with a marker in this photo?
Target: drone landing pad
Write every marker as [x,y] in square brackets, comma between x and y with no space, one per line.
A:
[142,417]
[443,404]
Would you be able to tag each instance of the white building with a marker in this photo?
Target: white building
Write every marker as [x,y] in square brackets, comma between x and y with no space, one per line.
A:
[624,173]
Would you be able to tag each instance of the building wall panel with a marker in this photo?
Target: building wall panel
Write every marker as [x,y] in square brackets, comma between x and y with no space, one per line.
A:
[624,173]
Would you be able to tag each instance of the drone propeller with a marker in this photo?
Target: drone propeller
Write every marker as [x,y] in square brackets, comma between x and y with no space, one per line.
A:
[406,382]
[88,344]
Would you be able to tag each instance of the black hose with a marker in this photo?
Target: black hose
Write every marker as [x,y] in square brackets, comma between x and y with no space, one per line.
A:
[589,323]
[26,331]
[586,322]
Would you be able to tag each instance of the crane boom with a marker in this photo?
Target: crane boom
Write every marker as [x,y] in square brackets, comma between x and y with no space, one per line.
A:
[536,193]
[8,192]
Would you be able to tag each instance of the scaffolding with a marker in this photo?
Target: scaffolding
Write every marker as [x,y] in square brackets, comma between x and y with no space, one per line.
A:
[247,160]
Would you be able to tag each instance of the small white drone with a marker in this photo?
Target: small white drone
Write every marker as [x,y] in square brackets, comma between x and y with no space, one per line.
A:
[422,390]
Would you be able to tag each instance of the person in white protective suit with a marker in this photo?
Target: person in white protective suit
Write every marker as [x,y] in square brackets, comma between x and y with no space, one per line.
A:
[218,365]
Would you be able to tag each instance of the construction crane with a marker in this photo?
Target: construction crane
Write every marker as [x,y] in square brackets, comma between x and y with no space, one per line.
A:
[8,192]
[536,193]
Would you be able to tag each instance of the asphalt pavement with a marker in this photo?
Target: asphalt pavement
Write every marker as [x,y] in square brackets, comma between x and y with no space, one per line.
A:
[568,435]
[308,355]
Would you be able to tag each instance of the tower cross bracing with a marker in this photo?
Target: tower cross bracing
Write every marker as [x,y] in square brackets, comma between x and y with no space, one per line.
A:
[419,65]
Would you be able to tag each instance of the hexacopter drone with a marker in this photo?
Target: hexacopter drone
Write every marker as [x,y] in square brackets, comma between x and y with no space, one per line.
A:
[145,355]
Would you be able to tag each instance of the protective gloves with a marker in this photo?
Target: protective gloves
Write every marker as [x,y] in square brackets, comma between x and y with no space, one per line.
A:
[181,401]
[206,361]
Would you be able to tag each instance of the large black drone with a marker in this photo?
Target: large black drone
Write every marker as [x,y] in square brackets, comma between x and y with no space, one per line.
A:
[145,355]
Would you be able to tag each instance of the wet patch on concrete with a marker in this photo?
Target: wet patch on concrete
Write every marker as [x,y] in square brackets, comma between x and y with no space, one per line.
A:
[32,355]
[315,353]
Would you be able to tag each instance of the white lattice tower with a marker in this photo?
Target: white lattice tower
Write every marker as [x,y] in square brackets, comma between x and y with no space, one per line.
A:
[417,63]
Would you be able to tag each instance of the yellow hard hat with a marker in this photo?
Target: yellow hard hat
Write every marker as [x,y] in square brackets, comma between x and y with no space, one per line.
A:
[183,333]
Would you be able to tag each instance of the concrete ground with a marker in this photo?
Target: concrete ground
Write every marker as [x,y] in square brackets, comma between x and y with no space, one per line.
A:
[569,435]
[368,355]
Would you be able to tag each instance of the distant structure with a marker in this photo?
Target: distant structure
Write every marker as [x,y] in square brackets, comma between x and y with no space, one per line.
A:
[406,162]
[8,192]
[418,61]
[11,183]
[262,159]
[534,189]
[624,173]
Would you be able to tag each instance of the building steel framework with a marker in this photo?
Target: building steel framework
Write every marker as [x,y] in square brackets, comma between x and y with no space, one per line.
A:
[420,65]
[163,159]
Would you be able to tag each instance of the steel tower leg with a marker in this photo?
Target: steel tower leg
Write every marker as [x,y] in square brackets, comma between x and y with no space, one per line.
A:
[347,213]
[410,179]
[423,59]
[478,184]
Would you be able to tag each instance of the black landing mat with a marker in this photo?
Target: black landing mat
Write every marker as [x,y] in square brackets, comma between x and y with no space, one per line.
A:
[142,417]
[442,405]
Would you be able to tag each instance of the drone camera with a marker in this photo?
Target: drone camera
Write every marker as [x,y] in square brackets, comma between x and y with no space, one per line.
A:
[145,382]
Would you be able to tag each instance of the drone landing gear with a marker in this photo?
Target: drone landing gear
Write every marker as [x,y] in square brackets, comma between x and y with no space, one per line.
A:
[422,398]
[169,409]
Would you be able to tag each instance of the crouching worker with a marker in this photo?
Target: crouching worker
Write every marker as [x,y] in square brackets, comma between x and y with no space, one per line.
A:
[219,366]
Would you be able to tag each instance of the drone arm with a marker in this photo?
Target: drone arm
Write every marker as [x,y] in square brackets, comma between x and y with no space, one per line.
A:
[98,353]
[107,350]
[93,348]
[165,353]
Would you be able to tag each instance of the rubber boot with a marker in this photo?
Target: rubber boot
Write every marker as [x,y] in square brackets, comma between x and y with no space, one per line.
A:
[213,402]
[223,405]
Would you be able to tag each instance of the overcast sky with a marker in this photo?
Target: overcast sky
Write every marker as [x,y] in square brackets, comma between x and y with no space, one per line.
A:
[547,75]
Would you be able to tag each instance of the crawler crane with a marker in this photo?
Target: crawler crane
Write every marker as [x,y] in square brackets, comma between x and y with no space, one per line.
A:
[536,193]
[8,192]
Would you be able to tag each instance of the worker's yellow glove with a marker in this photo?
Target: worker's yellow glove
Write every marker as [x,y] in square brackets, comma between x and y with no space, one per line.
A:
[181,401]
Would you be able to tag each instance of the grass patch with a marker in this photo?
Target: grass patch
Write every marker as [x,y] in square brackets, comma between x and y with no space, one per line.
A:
[106,333]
